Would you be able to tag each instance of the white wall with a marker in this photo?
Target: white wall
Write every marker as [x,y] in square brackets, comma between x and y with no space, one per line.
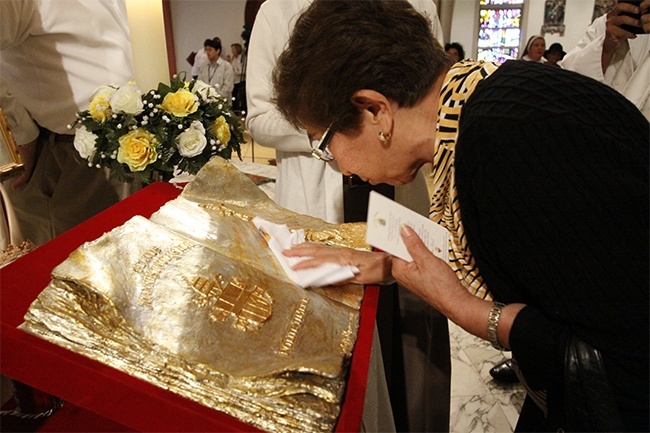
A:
[464,26]
[194,21]
[147,43]
[577,17]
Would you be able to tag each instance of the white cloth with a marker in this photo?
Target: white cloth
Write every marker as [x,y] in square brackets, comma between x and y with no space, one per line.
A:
[528,59]
[54,54]
[220,75]
[637,89]
[280,238]
[628,72]
[376,393]
[304,185]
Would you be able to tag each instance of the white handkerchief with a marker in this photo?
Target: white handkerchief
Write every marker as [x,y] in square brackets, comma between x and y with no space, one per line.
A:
[280,238]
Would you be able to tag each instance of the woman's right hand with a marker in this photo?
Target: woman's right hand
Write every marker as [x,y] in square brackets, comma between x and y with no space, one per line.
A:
[434,281]
[374,267]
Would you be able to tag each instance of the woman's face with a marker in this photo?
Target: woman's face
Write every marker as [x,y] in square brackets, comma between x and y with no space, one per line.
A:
[375,162]
[537,49]
[553,57]
[397,159]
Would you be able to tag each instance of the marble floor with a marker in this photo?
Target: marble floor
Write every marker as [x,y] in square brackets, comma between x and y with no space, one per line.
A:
[478,403]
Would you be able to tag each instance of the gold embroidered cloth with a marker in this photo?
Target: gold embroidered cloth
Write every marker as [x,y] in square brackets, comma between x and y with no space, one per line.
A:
[193,300]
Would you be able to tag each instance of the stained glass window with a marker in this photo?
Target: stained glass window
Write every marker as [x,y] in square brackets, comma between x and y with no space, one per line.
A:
[499,29]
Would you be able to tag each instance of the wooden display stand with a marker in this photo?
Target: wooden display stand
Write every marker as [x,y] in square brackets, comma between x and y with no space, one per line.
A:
[99,397]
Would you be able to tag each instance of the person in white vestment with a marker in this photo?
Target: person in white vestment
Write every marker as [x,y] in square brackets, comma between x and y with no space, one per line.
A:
[53,59]
[615,56]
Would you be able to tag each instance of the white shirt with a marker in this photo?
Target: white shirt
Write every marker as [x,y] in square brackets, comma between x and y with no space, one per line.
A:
[628,72]
[220,75]
[304,184]
[528,59]
[200,59]
[52,61]
[236,69]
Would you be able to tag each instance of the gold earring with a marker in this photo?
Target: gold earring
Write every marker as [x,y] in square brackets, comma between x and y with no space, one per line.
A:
[384,137]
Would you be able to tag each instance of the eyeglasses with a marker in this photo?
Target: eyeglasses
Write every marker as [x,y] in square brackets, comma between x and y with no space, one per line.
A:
[320,151]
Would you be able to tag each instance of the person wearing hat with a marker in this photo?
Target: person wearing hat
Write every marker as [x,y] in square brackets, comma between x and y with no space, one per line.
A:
[534,50]
[554,54]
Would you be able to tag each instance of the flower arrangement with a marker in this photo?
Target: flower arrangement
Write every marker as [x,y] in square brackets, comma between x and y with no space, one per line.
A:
[173,129]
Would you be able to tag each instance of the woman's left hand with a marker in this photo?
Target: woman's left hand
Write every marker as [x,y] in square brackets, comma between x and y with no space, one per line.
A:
[428,276]
[374,267]
[434,281]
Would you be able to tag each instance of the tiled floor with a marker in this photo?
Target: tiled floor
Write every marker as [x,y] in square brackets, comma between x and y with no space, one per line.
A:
[478,404]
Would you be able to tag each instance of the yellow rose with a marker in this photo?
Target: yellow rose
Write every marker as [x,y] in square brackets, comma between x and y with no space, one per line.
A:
[100,107]
[222,130]
[180,103]
[137,149]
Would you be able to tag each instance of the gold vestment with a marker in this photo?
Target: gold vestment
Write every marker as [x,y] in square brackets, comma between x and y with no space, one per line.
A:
[193,300]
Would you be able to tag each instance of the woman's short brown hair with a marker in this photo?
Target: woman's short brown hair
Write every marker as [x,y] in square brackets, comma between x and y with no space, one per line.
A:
[339,47]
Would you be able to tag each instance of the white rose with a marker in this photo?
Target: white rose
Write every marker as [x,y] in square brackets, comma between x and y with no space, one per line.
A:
[192,141]
[84,142]
[104,91]
[205,91]
[127,99]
